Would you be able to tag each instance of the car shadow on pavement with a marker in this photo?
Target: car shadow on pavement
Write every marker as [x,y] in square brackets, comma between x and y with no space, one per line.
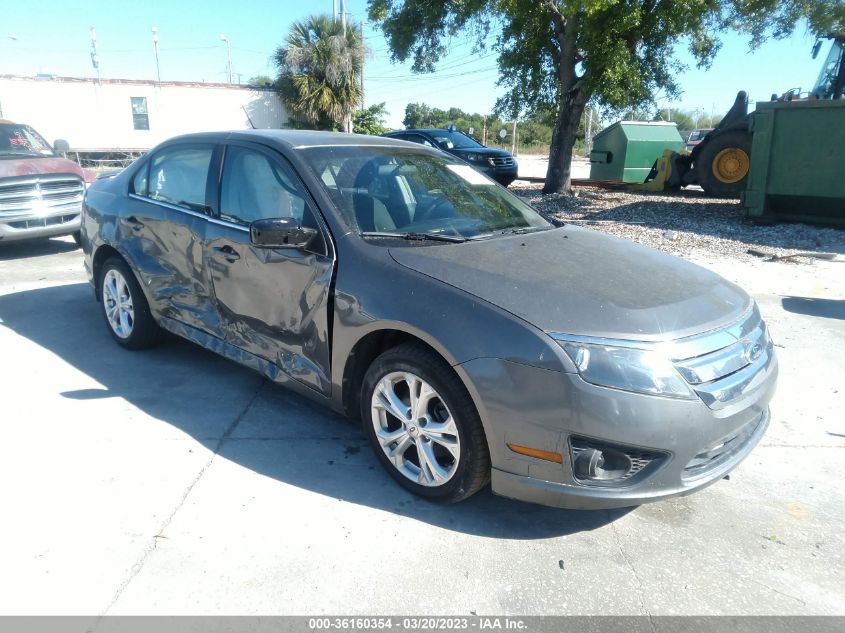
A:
[813,306]
[254,423]
[35,248]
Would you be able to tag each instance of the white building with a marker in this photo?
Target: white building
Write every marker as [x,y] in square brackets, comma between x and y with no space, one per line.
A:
[130,115]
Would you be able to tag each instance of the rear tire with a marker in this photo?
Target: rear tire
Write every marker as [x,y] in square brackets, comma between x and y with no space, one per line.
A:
[77,237]
[125,308]
[436,449]
[722,165]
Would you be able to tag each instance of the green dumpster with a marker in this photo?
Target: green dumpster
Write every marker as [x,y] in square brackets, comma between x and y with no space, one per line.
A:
[627,149]
[797,162]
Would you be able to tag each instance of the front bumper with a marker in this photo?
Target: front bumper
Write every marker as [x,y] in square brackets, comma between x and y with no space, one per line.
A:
[503,175]
[61,220]
[548,410]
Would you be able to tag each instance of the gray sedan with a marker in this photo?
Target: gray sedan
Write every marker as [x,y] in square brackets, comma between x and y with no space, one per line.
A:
[476,341]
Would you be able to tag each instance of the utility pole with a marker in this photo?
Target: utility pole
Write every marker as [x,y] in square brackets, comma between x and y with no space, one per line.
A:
[347,122]
[95,56]
[223,38]
[513,138]
[334,10]
[484,132]
[155,46]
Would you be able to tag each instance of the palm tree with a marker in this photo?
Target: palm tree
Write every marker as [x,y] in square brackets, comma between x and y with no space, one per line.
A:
[320,71]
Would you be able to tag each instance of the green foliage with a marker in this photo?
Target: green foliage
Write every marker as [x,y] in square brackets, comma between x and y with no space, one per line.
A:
[320,71]
[561,54]
[370,120]
[260,81]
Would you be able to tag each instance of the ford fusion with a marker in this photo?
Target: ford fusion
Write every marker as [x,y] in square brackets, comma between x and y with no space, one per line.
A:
[475,341]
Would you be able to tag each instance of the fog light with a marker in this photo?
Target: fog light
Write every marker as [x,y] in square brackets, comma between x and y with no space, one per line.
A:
[599,463]
[605,465]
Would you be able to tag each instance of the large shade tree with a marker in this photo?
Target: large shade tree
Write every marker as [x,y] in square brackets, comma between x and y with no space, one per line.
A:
[320,69]
[562,54]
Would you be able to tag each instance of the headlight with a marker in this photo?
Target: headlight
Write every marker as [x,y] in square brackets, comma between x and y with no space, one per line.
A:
[646,371]
[475,158]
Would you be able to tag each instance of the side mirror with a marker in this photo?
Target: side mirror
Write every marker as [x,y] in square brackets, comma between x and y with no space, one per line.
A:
[61,146]
[280,233]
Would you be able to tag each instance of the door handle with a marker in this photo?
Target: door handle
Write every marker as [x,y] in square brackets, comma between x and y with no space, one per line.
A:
[134,223]
[228,253]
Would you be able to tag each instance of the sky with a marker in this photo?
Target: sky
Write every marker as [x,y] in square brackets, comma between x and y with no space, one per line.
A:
[53,37]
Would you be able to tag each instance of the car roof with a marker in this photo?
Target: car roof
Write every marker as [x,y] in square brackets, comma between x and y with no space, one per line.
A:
[427,130]
[294,139]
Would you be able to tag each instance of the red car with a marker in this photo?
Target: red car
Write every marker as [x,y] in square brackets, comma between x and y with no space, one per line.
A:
[40,191]
[696,136]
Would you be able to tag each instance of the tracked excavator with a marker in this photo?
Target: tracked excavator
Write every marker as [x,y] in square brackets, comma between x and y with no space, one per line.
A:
[721,161]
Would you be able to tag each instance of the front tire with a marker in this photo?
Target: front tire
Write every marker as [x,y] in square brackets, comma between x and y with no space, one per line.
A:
[724,163]
[125,307]
[423,425]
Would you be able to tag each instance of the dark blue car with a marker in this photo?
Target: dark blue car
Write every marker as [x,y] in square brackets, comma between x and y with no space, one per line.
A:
[497,164]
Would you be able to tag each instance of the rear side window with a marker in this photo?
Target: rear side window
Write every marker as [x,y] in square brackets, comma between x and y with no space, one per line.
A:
[416,138]
[178,175]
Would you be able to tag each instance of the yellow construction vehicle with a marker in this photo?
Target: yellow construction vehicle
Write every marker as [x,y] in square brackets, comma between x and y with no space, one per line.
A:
[721,161]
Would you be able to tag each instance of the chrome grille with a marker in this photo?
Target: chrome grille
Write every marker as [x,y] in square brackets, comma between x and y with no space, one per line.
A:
[723,365]
[40,196]
[502,161]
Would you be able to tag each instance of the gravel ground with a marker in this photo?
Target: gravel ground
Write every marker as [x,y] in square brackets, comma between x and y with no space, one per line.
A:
[685,223]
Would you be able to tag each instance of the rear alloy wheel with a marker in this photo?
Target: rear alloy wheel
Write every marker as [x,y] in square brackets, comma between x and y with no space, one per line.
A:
[125,307]
[423,425]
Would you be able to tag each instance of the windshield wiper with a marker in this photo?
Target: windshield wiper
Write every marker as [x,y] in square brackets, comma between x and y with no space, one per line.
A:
[521,230]
[517,230]
[20,154]
[435,237]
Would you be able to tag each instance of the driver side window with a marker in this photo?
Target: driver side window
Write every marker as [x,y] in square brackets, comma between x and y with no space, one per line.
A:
[255,187]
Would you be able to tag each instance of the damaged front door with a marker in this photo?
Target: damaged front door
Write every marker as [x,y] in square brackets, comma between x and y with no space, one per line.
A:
[272,302]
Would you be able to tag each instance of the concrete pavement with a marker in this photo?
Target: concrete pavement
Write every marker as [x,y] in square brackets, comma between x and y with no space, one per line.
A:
[172,481]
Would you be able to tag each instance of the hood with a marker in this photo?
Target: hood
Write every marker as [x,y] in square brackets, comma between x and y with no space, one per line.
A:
[579,281]
[30,165]
[484,151]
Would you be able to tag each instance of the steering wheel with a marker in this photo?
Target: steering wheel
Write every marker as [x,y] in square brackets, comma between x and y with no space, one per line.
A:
[430,213]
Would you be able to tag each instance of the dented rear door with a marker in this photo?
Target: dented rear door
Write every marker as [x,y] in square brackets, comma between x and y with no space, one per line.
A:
[165,229]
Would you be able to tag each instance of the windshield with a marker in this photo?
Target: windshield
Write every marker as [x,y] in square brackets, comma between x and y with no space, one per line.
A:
[22,140]
[407,191]
[697,135]
[454,140]
[824,85]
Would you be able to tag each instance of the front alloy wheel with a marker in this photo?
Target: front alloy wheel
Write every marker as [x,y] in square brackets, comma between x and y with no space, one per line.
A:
[423,425]
[415,429]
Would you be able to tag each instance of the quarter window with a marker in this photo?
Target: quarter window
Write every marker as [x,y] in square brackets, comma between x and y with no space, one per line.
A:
[139,182]
[178,175]
[256,187]
[140,116]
